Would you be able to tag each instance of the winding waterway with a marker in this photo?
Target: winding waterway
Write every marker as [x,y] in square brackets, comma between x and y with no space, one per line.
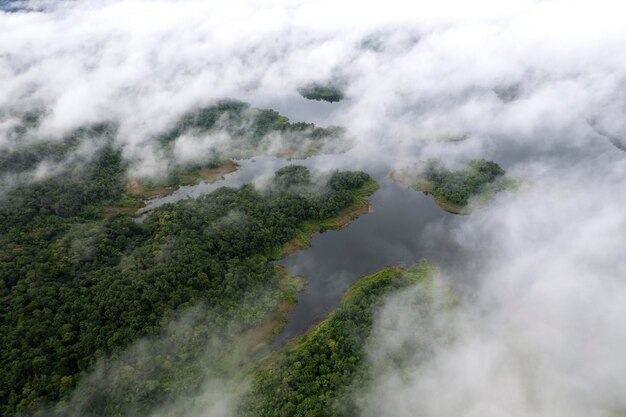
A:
[403,227]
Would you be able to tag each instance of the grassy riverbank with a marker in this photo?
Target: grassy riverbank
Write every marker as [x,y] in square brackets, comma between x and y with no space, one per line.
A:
[137,191]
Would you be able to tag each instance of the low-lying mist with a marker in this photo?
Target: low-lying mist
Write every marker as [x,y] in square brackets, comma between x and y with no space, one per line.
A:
[542,332]
[411,73]
[196,366]
[535,85]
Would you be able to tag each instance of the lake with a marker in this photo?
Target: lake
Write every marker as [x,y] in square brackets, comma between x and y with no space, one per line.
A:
[404,226]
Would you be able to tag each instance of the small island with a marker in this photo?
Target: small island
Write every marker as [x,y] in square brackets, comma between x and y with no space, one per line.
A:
[455,190]
[326,92]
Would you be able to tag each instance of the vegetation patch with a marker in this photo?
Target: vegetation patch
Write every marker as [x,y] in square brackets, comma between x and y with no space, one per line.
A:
[455,190]
[213,174]
[323,92]
[312,377]
[76,287]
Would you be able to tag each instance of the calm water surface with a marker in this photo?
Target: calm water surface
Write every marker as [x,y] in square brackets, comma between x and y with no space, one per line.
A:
[405,226]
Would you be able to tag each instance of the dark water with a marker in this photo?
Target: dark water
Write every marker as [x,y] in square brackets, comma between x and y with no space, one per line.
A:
[404,227]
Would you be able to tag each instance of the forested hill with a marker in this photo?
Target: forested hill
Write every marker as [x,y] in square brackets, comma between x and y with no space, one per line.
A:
[75,287]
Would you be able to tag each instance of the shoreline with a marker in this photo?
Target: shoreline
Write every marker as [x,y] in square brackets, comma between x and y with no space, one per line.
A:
[345,216]
[423,185]
[261,335]
[135,189]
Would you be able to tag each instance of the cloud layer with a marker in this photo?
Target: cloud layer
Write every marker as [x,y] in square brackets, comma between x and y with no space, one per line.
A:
[542,331]
[413,72]
[530,83]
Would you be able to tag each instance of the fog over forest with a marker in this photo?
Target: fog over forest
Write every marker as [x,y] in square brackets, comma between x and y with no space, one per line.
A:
[539,323]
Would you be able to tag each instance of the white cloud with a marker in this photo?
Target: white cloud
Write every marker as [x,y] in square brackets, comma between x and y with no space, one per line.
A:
[543,329]
[545,326]
[143,63]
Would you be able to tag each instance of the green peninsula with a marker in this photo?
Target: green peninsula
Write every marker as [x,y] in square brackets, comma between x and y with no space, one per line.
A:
[453,190]
[243,131]
[312,377]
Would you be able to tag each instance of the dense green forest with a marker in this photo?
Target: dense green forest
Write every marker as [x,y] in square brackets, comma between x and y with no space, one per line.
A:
[75,287]
[251,130]
[325,92]
[243,132]
[453,190]
[196,346]
[314,377]
[459,186]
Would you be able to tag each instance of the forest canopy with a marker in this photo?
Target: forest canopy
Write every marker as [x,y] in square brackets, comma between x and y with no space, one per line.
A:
[252,131]
[75,287]
[459,186]
[313,378]
[322,92]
